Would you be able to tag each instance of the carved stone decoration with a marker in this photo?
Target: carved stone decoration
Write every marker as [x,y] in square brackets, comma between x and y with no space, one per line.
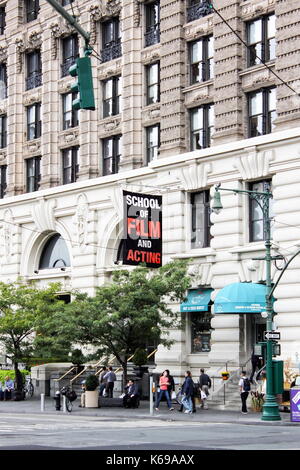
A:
[20,49]
[34,40]
[195,176]
[137,13]
[70,136]
[117,201]
[31,99]
[43,215]
[34,147]
[254,164]
[59,30]
[80,220]
[201,274]
[113,7]
[97,12]
[8,232]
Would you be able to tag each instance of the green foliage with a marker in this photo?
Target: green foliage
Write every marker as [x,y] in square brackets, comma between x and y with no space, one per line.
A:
[91,382]
[140,357]
[77,357]
[12,375]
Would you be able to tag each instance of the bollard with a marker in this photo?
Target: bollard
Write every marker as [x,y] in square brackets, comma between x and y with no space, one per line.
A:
[64,404]
[42,402]
[57,401]
[151,395]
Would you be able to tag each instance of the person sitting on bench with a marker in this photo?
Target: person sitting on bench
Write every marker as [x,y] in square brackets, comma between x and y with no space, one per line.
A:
[131,395]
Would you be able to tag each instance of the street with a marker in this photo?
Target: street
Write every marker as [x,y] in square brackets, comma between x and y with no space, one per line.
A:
[70,432]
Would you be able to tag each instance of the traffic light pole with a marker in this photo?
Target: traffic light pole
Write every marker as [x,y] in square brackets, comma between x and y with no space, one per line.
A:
[70,19]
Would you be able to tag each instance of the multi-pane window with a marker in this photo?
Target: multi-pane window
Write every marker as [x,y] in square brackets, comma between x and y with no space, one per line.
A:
[3,180]
[198,8]
[261,112]
[111,40]
[34,124]
[152,142]
[2,20]
[31,10]
[256,218]
[153,91]
[261,40]
[70,164]
[33,174]
[70,52]
[202,126]
[112,96]
[3,81]
[3,131]
[200,332]
[112,148]
[201,59]
[200,228]
[34,70]
[70,115]
[152,15]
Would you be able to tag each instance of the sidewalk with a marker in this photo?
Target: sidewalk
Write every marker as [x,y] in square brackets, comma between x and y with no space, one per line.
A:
[33,405]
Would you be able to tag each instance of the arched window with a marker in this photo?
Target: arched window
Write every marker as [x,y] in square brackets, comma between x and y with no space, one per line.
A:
[55,254]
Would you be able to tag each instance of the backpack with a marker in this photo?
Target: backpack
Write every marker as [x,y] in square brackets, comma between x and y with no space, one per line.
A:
[247,385]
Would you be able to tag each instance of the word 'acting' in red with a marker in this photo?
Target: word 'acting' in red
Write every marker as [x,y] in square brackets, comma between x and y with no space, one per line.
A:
[144,257]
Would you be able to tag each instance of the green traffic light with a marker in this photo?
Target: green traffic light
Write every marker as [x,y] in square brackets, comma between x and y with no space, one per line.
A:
[84,85]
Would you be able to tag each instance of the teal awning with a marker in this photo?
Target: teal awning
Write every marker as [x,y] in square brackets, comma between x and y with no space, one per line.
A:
[197,301]
[241,297]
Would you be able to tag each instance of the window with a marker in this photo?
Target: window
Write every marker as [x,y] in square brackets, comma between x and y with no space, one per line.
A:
[202,126]
[261,112]
[32,10]
[201,59]
[153,142]
[33,174]
[200,233]
[70,52]
[55,254]
[70,165]
[198,8]
[256,219]
[34,124]
[111,154]
[3,181]
[3,131]
[3,81]
[70,115]
[2,20]
[112,96]
[152,35]
[200,332]
[34,70]
[111,40]
[66,2]
[261,40]
[153,91]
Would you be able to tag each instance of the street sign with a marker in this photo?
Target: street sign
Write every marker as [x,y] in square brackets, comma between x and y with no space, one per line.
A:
[272,335]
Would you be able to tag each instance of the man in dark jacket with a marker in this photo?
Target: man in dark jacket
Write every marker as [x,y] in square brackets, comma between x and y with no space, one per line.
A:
[131,395]
[204,385]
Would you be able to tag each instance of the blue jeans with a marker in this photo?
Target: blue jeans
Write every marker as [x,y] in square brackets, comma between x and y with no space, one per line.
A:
[187,403]
[161,393]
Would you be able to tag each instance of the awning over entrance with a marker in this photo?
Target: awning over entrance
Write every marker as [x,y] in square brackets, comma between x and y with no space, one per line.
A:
[241,297]
[197,300]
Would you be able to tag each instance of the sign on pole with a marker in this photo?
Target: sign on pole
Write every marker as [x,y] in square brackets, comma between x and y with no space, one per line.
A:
[295,404]
[142,229]
[272,335]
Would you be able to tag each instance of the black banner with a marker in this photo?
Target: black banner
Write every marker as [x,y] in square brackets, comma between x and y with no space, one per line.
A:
[142,229]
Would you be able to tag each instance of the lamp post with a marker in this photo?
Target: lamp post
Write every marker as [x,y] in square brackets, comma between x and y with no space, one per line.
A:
[270,408]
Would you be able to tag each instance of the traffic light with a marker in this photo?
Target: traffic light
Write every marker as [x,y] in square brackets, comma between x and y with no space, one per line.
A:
[84,85]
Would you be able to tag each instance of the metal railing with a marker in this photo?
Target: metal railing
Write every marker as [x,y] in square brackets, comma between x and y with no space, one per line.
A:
[198,10]
[233,375]
[63,376]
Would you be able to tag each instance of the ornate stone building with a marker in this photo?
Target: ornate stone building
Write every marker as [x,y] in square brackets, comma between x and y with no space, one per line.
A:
[183,102]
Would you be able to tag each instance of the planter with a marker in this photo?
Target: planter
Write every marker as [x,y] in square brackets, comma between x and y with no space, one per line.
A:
[92,399]
[225,375]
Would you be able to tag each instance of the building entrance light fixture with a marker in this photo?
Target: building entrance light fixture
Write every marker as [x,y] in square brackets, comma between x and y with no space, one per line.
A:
[270,407]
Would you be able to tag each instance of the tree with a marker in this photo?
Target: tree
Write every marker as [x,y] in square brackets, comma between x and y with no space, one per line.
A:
[132,310]
[26,313]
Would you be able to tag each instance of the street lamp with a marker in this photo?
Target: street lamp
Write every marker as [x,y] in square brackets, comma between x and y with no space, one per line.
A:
[270,407]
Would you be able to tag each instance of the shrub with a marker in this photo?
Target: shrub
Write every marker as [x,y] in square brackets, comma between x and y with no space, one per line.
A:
[140,357]
[11,374]
[91,382]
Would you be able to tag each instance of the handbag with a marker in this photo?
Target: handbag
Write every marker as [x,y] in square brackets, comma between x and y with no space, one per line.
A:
[173,395]
[203,395]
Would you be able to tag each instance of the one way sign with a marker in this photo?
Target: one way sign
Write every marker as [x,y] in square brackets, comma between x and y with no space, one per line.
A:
[275,335]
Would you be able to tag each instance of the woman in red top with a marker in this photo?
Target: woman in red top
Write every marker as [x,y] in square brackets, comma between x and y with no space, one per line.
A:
[164,382]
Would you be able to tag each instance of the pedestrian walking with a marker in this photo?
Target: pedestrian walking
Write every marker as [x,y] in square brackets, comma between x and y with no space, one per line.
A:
[164,382]
[245,387]
[110,377]
[171,386]
[187,392]
[204,385]
[102,381]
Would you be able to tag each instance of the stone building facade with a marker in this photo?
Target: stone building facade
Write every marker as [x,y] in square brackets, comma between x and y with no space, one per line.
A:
[181,105]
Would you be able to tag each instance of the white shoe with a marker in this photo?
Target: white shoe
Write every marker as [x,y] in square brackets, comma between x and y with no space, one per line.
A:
[187,411]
